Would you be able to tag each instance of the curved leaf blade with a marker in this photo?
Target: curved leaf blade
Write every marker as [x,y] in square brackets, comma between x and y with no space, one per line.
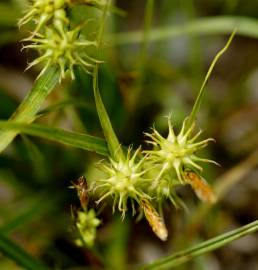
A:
[31,104]
[74,139]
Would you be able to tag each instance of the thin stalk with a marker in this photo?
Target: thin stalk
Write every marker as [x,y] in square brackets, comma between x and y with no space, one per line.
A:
[198,101]
[114,146]
[202,248]
[27,110]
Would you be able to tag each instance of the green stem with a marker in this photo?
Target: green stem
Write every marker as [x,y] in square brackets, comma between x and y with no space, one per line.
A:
[114,146]
[27,110]
[200,249]
[198,101]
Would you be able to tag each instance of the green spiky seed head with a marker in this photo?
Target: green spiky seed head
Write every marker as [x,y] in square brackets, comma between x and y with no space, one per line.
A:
[43,12]
[124,182]
[63,49]
[175,153]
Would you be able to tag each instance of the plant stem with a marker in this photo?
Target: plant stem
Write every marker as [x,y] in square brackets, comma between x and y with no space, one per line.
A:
[114,146]
[200,249]
[27,110]
[199,98]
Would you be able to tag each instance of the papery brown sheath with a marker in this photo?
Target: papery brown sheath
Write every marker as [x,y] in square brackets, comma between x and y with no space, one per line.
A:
[200,187]
[82,191]
[156,222]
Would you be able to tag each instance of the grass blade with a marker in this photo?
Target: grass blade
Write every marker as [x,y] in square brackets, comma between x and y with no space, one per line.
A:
[19,255]
[31,104]
[113,144]
[74,139]
[114,147]
[200,249]
[205,26]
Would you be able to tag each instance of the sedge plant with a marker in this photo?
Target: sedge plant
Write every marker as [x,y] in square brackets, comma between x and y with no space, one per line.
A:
[138,180]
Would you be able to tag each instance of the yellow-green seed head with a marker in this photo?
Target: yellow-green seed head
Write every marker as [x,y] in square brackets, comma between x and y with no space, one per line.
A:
[63,49]
[125,181]
[44,12]
[175,153]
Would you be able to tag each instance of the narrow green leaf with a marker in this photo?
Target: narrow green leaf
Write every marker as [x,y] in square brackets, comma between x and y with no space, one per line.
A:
[74,139]
[19,255]
[113,144]
[31,104]
[202,248]
[204,26]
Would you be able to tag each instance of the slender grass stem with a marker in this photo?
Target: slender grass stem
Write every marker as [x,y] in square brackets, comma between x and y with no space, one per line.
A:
[202,248]
[114,146]
[27,110]
[199,98]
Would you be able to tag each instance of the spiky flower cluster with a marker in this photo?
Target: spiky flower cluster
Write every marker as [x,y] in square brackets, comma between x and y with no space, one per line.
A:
[87,224]
[173,158]
[57,42]
[43,12]
[149,177]
[65,50]
[125,181]
[176,153]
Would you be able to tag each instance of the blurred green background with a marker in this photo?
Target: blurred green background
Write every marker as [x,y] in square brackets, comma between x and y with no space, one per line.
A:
[144,78]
